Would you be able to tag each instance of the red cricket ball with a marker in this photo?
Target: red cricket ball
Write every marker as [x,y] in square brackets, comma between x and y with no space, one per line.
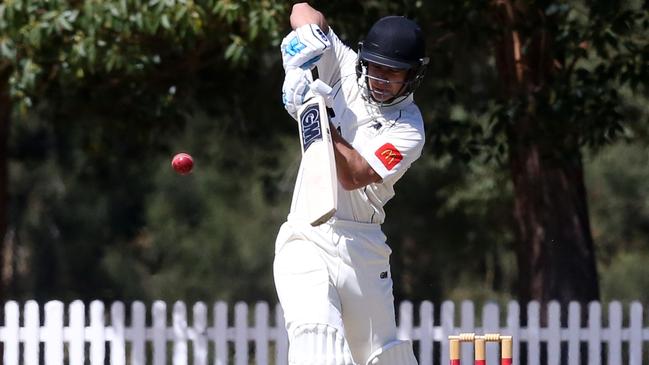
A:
[182,163]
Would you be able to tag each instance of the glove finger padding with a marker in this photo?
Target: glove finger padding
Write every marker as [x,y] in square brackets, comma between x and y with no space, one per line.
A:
[303,47]
[295,90]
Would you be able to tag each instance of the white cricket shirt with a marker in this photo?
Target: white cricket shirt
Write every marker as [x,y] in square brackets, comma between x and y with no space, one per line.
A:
[390,138]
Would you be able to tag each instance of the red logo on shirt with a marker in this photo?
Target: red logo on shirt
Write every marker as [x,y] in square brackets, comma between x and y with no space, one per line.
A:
[389,155]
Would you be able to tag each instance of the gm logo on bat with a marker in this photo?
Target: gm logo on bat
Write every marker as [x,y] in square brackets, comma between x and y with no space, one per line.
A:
[310,122]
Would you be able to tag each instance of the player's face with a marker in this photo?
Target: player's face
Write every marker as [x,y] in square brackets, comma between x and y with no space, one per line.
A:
[385,82]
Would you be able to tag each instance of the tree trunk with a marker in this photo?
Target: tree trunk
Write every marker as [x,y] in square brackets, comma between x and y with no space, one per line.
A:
[5,115]
[556,258]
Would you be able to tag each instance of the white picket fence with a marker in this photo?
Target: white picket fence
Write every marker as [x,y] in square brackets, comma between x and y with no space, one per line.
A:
[216,337]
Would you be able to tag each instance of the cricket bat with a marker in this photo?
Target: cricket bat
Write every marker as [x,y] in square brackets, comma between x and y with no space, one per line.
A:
[319,179]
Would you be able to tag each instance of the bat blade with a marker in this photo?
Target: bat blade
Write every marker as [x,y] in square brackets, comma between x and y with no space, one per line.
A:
[319,180]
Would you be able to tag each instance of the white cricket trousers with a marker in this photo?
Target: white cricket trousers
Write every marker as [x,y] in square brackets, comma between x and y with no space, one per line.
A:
[337,274]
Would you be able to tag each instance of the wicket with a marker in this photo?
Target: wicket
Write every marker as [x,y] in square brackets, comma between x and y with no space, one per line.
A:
[479,347]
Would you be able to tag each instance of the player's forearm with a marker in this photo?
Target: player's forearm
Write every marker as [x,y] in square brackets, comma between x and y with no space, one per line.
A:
[303,13]
[352,169]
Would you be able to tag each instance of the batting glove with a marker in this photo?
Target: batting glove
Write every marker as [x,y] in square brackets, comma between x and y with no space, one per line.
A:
[303,47]
[295,89]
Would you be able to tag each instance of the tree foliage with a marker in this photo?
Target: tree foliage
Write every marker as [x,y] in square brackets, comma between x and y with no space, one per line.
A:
[106,91]
[124,41]
[114,82]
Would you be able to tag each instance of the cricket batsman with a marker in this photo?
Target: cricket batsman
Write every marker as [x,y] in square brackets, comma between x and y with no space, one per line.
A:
[333,280]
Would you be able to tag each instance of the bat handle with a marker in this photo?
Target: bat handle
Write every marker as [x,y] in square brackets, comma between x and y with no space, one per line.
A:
[318,87]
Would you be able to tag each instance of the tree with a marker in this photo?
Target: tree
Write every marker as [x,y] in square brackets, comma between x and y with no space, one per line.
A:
[532,85]
[140,54]
[546,87]
[518,88]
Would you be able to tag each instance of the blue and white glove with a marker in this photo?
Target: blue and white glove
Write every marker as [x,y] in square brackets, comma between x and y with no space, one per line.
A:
[295,89]
[303,47]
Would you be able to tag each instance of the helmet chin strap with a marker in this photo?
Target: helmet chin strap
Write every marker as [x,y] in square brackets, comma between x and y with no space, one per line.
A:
[389,102]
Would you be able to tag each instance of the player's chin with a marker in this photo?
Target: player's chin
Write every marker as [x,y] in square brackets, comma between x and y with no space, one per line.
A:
[381,96]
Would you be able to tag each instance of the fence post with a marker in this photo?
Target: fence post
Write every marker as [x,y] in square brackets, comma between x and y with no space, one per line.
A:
[467,324]
[12,327]
[97,334]
[635,334]
[261,333]
[159,332]
[615,333]
[54,333]
[117,341]
[179,324]
[32,333]
[404,331]
[594,333]
[513,329]
[554,333]
[574,325]
[447,316]
[220,335]
[138,339]
[241,333]
[533,333]
[77,340]
[491,324]
[426,333]
[200,330]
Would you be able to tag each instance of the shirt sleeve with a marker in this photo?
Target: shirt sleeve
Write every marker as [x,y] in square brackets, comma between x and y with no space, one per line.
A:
[392,152]
[339,60]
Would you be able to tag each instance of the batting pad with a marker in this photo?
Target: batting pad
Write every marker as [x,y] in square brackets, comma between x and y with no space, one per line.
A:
[394,353]
[318,344]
